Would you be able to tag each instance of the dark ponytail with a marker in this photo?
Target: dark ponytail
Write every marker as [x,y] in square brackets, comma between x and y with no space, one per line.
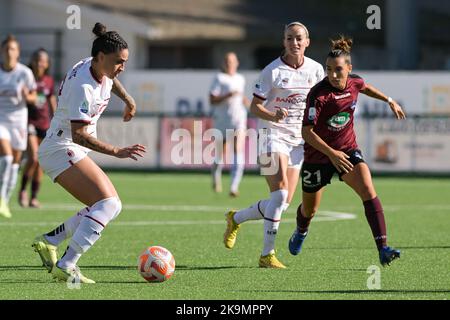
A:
[106,41]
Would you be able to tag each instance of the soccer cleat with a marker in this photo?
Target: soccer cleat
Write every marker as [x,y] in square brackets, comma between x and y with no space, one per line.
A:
[73,274]
[387,255]
[270,261]
[296,242]
[229,237]
[234,194]
[47,252]
[4,209]
[23,199]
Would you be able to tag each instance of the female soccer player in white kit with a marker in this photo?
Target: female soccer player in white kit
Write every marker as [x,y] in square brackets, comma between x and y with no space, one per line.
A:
[17,88]
[229,112]
[279,101]
[83,96]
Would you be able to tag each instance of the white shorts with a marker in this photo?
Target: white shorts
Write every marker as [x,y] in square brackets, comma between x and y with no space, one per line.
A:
[15,134]
[273,144]
[56,156]
[226,123]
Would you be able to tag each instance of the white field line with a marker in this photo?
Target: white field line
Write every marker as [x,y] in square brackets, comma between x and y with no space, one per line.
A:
[322,216]
[203,208]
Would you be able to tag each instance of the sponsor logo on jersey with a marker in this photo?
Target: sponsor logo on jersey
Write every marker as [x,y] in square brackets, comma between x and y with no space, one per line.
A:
[293,99]
[257,86]
[312,114]
[84,107]
[339,121]
[70,153]
[358,155]
[342,96]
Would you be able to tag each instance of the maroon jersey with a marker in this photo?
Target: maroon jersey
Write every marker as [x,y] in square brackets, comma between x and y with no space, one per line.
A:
[39,113]
[330,111]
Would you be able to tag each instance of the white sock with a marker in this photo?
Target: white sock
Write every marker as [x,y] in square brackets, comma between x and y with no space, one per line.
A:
[254,212]
[237,171]
[272,217]
[5,171]
[14,172]
[89,230]
[67,229]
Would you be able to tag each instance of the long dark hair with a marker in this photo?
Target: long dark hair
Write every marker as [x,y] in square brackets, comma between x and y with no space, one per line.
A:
[106,42]
[35,57]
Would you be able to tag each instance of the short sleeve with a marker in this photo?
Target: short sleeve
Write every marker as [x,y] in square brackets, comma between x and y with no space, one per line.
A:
[215,89]
[312,111]
[359,82]
[80,103]
[51,86]
[320,73]
[362,84]
[30,82]
[264,84]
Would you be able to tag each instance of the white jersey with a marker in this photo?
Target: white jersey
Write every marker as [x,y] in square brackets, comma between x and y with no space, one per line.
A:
[230,110]
[283,86]
[82,98]
[13,107]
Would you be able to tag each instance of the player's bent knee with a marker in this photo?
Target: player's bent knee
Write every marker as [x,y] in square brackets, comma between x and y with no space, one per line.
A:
[107,209]
[310,212]
[279,197]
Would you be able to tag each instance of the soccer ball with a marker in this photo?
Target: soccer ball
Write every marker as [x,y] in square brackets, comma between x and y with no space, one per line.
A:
[156,264]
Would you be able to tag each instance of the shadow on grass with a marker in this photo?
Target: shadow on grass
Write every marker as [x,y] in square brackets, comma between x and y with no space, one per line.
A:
[106,267]
[29,281]
[21,268]
[348,291]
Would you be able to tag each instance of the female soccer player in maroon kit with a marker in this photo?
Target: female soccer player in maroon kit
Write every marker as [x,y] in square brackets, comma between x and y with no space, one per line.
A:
[330,147]
[39,114]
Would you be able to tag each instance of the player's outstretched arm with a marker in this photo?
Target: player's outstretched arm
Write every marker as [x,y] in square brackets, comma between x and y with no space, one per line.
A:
[373,92]
[338,158]
[130,105]
[83,138]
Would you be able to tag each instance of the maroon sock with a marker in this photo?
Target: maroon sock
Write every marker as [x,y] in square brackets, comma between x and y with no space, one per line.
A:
[23,186]
[302,221]
[35,185]
[375,217]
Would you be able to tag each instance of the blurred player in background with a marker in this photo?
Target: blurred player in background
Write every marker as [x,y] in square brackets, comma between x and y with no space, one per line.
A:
[83,96]
[279,101]
[330,147]
[39,114]
[229,112]
[17,88]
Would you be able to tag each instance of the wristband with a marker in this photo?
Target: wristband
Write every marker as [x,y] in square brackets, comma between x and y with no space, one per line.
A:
[390,100]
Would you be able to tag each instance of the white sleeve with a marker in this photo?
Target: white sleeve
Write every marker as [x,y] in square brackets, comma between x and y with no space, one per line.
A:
[30,82]
[80,103]
[320,74]
[216,88]
[264,84]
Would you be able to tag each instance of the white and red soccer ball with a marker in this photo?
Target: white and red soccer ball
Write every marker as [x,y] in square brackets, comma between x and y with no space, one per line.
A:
[156,264]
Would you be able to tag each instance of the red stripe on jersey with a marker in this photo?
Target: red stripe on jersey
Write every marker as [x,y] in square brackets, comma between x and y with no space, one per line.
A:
[96,221]
[259,97]
[81,121]
[93,75]
[290,65]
